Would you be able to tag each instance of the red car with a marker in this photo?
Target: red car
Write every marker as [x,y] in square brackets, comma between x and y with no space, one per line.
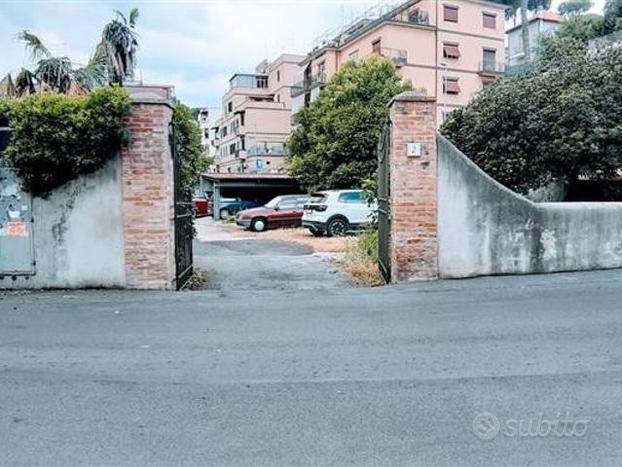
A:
[202,206]
[282,211]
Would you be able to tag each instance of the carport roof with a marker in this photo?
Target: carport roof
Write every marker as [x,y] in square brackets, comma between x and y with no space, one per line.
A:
[227,180]
[223,177]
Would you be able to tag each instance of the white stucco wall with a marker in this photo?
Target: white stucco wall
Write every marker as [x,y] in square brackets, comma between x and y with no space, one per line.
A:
[78,234]
[486,229]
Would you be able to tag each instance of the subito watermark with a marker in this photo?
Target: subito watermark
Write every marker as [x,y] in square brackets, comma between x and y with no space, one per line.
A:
[487,426]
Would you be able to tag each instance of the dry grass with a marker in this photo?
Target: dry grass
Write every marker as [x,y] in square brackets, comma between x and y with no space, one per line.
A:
[361,259]
[197,281]
[298,235]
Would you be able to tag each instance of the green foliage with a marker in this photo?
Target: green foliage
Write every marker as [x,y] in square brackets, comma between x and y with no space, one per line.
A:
[335,140]
[57,137]
[574,7]
[188,148]
[119,44]
[613,16]
[582,27]
[561,121]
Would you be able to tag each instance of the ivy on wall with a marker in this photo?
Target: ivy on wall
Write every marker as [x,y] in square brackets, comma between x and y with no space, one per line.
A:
[188,149]
[55,138]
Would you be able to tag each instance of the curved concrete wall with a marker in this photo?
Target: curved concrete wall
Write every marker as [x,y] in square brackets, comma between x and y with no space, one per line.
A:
[485,228]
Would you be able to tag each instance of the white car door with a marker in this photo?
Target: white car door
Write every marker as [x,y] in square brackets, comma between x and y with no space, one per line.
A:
[354,207]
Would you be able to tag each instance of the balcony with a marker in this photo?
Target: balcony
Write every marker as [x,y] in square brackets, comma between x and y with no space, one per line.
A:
[263,150]
[248,81]
[304,86]
[398,56]
[490,68]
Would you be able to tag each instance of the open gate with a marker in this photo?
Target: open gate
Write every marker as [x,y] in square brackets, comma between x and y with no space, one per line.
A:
[384,203]
[184,215]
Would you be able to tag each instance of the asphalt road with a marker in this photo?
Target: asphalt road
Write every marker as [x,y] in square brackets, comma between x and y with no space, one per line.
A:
[389,376]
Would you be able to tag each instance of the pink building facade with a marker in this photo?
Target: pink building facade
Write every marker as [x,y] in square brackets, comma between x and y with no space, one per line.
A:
[255,121]
[450,49]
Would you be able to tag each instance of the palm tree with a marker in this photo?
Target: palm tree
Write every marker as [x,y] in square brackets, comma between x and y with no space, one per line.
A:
[58,73]
[524,6]
[119,44]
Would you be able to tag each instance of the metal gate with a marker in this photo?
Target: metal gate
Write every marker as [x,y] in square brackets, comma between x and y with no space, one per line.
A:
[184,215]
[384,203]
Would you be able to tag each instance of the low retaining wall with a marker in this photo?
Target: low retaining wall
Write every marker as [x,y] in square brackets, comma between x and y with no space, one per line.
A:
[486,229]
[112,228]
[451,220]
[77,235]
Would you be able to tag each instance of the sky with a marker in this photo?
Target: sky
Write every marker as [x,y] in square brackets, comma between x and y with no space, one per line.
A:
[194,45]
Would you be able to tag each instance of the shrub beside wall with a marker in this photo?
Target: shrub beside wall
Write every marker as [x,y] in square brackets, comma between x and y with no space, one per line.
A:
[55,138]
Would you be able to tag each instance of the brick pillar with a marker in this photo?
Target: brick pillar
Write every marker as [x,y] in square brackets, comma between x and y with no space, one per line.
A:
[148,198]
[414,243]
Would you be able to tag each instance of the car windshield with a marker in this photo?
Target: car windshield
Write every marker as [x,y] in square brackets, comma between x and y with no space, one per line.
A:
[273,202]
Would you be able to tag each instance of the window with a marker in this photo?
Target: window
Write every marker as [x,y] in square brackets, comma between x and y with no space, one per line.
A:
[262,81]
[278,76]
[451,50]
[451,86]
[450,13]
[489,20]
[489,60]
[232,148]
[223,131]
[288,203]
[242,119]
[354,55]
[321,68]
[375,47]
[351,197]
[230,107]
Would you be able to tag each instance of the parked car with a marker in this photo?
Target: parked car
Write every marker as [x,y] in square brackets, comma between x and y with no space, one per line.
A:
[282,211]
[337,212]
[202,206]
[230,206]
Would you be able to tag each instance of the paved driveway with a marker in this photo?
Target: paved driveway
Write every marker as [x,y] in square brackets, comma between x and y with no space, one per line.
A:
[391,376]
[251,263]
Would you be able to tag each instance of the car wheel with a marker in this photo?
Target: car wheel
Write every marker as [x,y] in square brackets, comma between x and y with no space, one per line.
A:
[224,213]
[258,225]
[337,227]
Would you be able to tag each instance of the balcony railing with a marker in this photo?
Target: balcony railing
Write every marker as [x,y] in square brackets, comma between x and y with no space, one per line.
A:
[260,150]
[398,56]
[240,80]
[491,68]
[304,86]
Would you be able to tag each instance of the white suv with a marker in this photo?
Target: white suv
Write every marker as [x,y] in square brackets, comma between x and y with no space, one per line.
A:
[337,212]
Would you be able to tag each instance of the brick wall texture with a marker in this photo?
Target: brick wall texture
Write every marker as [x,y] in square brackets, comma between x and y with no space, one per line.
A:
[414,243]
[148,199]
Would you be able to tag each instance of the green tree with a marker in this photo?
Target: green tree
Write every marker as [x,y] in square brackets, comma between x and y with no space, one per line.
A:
[119,45]
[335,139]
[574,7]
[188,148]
[582,27]
[560,122]
[524,7]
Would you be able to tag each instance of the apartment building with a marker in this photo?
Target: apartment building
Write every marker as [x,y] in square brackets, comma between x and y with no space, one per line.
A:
[540,24]
[255,121]
[450,48]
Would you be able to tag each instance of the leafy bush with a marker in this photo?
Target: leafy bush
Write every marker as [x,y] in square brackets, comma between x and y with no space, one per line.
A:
[188,148]
[56,137]
[335,140]
[562,121]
